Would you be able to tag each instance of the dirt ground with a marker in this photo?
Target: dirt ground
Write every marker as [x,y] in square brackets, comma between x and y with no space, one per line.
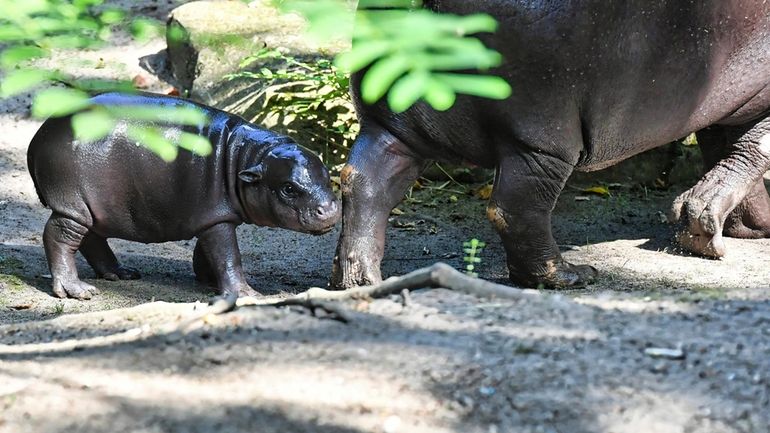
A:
[569,362]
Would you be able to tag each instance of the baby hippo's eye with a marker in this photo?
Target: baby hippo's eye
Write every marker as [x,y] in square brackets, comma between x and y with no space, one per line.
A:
[289,191]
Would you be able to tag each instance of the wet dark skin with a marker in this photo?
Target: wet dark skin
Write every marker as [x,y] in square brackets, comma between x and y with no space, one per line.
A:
[593,83]
[114,188]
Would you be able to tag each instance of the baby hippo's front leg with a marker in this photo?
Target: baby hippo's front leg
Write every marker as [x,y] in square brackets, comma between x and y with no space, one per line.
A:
[217,260]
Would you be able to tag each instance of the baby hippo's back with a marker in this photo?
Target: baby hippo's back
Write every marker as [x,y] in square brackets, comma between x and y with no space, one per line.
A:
[118,188]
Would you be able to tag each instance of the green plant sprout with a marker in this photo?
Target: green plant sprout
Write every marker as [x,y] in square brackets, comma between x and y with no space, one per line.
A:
[472,250]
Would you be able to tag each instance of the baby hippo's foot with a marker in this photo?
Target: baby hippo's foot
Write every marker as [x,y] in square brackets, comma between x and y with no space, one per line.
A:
[121,273]
[555,274]
[73,289]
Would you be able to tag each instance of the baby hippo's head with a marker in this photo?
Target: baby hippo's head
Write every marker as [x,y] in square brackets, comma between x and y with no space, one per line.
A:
[290,188]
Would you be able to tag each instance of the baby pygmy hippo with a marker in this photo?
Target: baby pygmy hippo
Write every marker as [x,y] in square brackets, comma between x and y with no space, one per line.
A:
[115,188]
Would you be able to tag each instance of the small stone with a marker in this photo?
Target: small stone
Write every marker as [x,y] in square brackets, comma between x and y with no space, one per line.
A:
[391,424]
[487,391]
[661,352]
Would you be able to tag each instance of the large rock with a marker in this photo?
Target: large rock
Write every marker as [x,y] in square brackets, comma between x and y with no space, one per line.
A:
[207,40]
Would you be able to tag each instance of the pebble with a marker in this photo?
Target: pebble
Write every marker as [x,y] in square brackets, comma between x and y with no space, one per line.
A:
[661,352]
[391,424]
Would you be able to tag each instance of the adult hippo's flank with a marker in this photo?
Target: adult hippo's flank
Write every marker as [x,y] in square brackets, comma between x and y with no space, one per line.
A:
[594,82]
[115,188]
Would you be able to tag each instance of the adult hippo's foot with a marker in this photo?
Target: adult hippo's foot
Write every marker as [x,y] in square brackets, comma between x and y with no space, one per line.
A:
[730,199]
[751,218]
[525,191]
[379,171]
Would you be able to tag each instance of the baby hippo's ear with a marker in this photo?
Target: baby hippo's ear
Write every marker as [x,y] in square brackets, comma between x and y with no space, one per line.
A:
[252,174]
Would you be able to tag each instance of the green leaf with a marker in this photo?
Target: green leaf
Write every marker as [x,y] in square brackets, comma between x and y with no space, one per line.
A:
[12,33]
[476,23]
[165,114]
[486,86]
[381,76]
[175,33]
[401,4]
[407,90]
[112,16]
[13,56]
[153,139]
[483,59]
[439,95]
[195,144]
[57,102]
[22,80]
[92,125]
[362,55]
[144,29]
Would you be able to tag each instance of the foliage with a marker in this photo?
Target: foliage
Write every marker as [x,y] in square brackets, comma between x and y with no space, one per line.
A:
[472,250]
[408,52]
[31,29]
[306,98]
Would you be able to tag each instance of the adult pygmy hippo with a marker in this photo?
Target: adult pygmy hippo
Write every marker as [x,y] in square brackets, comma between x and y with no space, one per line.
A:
[114,187]
[594,83]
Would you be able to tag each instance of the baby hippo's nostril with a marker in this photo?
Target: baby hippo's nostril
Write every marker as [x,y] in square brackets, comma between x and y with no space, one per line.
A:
[328,210]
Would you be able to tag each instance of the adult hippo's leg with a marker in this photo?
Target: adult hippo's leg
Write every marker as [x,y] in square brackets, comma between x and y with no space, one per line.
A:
[751,218]
[526,188]
[99,255]
[731,198]
[204,272]
[379,171]
[62,238]
[217,260]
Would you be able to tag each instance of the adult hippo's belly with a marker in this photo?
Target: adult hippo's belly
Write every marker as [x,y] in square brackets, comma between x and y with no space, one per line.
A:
[594,83]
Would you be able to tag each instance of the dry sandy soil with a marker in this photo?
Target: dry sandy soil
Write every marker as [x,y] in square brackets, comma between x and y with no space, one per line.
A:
[445,362]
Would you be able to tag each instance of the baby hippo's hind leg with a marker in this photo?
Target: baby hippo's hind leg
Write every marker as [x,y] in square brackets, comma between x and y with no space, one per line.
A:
[61,238]
[101,258]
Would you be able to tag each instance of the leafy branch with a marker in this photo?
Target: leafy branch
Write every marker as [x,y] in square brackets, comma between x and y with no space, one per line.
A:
[409,53]
[31,30]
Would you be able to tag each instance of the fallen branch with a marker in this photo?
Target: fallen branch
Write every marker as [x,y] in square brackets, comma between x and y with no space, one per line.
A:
[434,276]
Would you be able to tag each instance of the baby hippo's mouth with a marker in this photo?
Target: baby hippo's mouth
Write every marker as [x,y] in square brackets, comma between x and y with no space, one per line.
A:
[322,231]
[323,219]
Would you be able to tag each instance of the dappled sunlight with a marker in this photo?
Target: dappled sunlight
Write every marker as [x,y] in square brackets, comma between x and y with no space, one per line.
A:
[358,397]
[629,264]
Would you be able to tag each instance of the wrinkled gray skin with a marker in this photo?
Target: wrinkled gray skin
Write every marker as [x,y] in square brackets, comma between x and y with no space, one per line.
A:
[594,82]
[114,188]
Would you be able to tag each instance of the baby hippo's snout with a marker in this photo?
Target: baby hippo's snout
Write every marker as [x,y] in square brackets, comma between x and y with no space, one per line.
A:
[326,216]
